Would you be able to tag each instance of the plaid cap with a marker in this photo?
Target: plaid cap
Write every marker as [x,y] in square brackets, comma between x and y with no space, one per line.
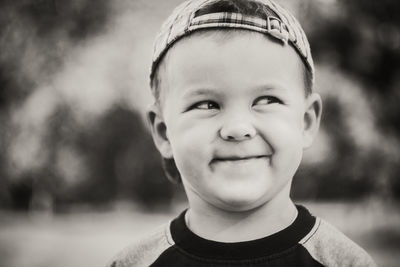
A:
[276,22]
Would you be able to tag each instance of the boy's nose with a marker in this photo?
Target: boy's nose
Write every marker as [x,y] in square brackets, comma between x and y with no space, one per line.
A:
[237,131]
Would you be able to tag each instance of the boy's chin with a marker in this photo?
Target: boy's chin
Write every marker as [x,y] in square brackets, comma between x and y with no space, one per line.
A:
[250,199]
[240,203]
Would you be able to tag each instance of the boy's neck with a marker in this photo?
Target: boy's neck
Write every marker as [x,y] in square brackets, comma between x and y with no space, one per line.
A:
[219,225]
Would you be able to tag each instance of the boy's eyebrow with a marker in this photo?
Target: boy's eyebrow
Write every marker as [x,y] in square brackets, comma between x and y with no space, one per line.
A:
[200,92]
[204,91]
[269,87]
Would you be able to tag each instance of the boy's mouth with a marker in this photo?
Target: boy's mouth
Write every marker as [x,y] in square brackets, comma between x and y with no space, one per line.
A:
[238,158]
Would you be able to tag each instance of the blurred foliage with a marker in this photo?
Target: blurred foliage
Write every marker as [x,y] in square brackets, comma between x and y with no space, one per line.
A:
[120,160]
[362,40]
[49,24]
[111,157]
[114,155]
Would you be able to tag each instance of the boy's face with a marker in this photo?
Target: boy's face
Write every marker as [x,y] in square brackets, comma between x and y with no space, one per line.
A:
[235,118]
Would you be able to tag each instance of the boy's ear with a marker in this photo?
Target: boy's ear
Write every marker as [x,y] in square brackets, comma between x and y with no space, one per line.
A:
[159,131]
[312,119]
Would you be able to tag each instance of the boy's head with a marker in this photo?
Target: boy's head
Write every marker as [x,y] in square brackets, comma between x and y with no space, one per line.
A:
[234,103]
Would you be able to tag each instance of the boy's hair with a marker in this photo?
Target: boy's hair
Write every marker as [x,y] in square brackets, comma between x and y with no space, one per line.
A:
[262,16]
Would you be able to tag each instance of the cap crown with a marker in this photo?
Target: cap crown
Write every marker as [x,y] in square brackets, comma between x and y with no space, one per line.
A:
[274,20]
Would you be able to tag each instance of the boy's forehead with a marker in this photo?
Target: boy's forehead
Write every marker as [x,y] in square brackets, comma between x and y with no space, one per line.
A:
[225,46]
[277,23]
[221,59]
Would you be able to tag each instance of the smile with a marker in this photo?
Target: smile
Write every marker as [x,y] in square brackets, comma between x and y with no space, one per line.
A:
[239,159]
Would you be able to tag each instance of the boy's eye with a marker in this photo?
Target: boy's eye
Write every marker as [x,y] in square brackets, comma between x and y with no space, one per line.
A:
[205,105]
[267,100]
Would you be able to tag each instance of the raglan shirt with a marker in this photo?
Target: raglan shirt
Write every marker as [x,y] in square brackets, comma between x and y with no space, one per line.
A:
[308,241]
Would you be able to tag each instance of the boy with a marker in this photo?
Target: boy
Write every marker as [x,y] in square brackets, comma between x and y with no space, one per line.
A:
[234,111]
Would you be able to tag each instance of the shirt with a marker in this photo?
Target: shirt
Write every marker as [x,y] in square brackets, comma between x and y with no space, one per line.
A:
[308,241]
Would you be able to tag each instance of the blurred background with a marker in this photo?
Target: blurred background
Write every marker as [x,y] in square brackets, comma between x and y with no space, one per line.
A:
[79,175]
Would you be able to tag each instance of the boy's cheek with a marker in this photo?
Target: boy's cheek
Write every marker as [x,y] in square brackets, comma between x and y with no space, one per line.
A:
[197,129]
[280,130]
[187,133]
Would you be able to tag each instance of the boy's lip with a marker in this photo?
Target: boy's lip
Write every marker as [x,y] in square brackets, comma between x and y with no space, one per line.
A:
[238,158]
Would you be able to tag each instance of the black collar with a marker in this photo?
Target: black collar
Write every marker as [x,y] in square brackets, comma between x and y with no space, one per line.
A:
[266,246]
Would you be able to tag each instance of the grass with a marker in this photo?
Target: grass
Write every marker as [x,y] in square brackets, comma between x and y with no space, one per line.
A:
[92,238]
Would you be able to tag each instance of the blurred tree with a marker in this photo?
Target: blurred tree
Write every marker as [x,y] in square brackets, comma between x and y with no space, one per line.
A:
[361,39]
[121,162]
[113,156]
[37,34]
[77,19]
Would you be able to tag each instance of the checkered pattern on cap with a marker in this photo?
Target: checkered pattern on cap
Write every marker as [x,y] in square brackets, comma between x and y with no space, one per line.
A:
[278,22]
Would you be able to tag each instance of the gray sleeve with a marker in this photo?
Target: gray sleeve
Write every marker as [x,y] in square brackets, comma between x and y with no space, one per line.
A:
[145,251]
[331,247]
